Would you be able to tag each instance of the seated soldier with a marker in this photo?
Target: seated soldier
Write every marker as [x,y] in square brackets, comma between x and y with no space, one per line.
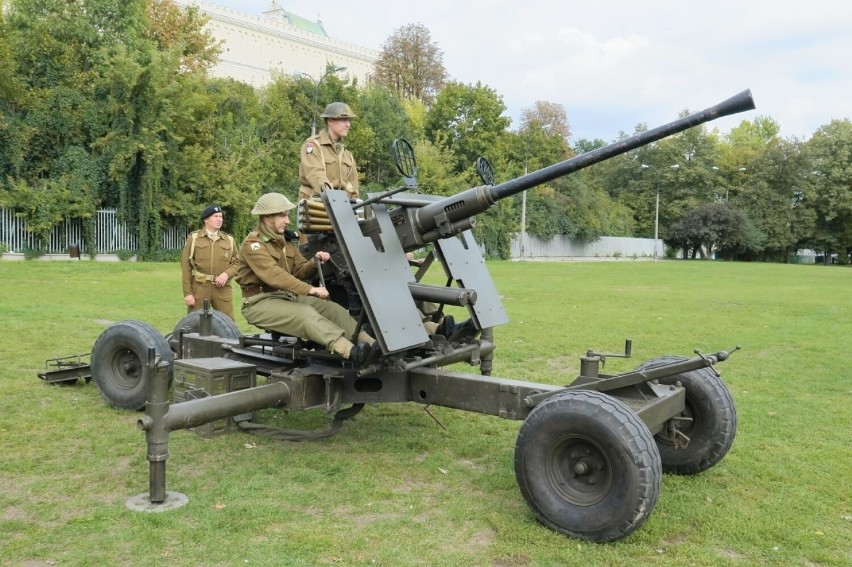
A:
[271,274]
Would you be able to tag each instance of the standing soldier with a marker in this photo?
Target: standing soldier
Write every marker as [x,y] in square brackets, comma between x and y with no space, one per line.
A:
[208,263]
[324,162]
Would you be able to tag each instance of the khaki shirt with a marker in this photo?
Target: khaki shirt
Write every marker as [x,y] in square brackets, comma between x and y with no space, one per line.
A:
[324,162]
[209,258]
[274,263]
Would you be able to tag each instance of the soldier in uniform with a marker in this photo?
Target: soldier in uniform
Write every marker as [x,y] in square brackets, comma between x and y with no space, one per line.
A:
[324,162]
[276,297]
[208,262]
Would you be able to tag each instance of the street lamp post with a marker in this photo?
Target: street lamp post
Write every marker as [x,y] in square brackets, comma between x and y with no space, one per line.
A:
[657,205]
[741,170]
[316,93]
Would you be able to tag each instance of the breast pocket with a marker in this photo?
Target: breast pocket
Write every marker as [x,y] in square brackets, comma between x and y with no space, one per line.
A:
[203,250]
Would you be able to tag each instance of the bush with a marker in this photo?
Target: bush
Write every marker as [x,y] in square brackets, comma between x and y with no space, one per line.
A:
[124,254]
[161,255]
[33,253]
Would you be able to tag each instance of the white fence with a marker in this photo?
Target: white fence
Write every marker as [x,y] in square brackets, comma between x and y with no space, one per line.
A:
[110,235]
[605,247]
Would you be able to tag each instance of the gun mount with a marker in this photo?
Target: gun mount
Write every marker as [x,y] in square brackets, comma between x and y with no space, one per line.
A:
[589,456]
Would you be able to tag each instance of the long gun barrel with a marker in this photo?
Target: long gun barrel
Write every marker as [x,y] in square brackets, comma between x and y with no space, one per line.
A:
[445,217]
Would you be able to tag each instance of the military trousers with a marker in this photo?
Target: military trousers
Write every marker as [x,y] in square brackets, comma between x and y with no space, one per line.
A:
[302,316]
[221,298]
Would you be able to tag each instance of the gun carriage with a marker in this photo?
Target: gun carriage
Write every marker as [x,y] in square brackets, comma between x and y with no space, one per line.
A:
[589,455]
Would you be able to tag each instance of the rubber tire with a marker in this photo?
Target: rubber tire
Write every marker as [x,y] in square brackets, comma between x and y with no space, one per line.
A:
[119,362]
[710,405]
[605,433]
[222,326]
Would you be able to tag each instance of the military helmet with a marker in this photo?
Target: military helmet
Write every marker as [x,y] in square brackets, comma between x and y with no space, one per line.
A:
[272,204]
[338,110]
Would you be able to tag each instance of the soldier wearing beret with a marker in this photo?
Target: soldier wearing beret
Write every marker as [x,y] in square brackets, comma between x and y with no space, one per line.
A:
[276,297]
[324,162]
[208,262]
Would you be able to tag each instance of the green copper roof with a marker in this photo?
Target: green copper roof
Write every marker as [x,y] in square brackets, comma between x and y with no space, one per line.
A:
[299,22]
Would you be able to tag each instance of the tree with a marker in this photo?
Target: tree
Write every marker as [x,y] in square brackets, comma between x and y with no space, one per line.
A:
[110,114]
[707,228]
[830,152]
[382,120]
[171,26]
[771,192]
[546,116]
[410,64]
[468,121]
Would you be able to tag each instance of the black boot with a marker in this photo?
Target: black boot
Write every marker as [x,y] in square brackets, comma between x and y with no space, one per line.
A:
[363,354]
[447,326]
[465,329]
[359,354]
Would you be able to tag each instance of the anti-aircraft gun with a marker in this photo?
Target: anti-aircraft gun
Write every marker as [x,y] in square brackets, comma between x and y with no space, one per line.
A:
[589,456]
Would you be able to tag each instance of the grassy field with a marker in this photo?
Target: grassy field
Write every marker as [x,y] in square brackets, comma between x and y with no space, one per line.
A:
[394,488]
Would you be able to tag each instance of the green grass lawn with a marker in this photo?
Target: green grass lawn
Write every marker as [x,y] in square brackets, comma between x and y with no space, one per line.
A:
[394,488]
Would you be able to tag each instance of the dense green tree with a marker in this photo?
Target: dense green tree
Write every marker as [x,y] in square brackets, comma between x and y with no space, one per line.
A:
[468,120]
[771,191]
[285,124]
[435,175]
[382,120]
[115,114]
[830,153]
[706,228]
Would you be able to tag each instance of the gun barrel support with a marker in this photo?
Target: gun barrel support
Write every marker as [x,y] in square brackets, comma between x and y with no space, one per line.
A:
[459,297]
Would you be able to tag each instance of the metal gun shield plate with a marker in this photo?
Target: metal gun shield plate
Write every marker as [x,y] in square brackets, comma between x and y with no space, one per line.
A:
[380,273]
[463,260]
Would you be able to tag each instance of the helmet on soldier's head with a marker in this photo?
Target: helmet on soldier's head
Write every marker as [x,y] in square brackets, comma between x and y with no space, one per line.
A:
[272,204]
[338,110]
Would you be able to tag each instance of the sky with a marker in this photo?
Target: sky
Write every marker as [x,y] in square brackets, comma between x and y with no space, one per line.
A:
[615,64]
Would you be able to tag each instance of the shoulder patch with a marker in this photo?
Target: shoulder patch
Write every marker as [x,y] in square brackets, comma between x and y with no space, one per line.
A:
[309,149]
[255,246]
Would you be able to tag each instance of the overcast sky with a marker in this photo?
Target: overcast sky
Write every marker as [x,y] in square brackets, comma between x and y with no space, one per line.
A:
[613,64]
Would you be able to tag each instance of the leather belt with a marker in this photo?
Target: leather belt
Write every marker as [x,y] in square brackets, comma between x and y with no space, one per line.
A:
[252,290]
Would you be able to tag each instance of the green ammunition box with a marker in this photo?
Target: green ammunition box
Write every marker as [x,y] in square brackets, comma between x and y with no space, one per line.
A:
[201,377]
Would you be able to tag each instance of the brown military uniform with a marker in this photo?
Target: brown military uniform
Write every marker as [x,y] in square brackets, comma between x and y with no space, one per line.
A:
[202,260]
[275,297]
[322,162]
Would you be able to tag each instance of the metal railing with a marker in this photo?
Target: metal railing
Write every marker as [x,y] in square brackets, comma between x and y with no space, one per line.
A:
[110,235]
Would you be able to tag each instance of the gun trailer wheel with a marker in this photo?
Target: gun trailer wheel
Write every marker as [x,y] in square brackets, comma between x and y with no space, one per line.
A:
[704,432]
[119,362]
[588,466]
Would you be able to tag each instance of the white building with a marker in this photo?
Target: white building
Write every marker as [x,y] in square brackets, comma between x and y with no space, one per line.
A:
[279,42]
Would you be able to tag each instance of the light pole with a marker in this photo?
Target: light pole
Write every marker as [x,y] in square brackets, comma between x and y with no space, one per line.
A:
[657,205]
[316,94]
[741,169]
